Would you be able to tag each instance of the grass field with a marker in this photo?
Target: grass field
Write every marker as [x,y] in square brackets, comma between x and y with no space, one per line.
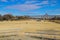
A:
[28,26]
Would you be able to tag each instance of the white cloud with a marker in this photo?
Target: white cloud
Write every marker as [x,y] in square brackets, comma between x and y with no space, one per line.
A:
[13,0]
[4,0]
[28,5]
[23,7]
[44,2]
[30,2]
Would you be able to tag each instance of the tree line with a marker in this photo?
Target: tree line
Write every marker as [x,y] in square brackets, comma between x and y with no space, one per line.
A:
[10,17]
[55,18]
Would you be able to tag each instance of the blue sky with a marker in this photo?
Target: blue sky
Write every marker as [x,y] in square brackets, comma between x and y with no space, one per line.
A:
[30,7]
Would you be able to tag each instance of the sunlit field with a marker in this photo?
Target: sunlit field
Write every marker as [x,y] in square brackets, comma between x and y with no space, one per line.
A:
[29,26]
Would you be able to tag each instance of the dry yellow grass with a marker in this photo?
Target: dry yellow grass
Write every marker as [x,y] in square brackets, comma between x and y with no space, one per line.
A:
[29,25]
